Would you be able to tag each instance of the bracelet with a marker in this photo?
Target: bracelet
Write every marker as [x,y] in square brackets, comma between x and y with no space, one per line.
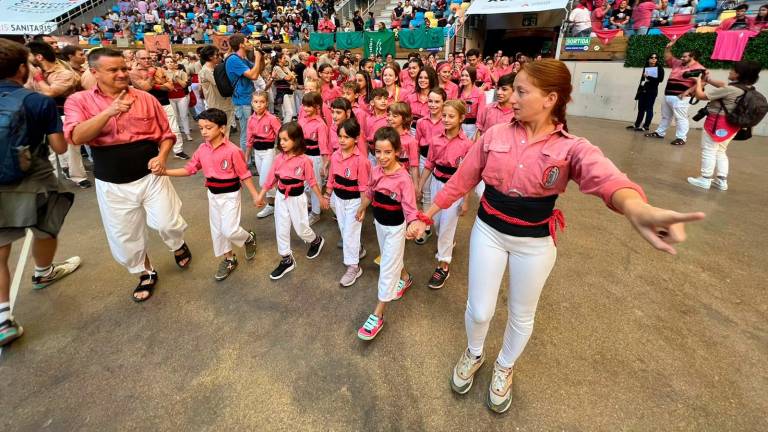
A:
[424,218]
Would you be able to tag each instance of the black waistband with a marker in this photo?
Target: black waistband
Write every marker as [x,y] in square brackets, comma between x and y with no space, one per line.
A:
[413,122]
[470,120]
[220,186]
[262,144]
[123,163]
[293,187]
[346,183]
[386,210]
[313,147]
[529,209]
[444,172]
[424,150]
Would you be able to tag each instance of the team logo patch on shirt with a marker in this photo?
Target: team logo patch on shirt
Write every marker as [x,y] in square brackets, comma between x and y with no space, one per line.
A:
[393,195]
[347,172]
[459,160]
[298,171]
[550,176]
[266,128]
[225,164]
[314,136]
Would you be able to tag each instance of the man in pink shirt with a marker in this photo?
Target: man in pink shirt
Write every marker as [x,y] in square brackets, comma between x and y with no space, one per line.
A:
[130,140]
[483,74]
[326,25]
[740,22]
[641,16]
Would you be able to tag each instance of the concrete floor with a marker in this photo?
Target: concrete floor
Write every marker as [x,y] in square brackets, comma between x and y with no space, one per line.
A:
[626,338]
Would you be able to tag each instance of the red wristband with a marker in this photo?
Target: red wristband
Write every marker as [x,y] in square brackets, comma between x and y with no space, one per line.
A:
[424,218]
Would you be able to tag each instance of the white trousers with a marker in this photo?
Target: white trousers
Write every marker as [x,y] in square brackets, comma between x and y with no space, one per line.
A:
[392,249]
[200,104]
[372,159]
[317,166]
[673,106]
[426,193]
[263,161]
[71,159]
[297,96]
[224,216]
[181,109]
[714,161]
[445,224]
[291,211]
[349,226]
[178,146]
[289,109]
[530,261]
[128,208]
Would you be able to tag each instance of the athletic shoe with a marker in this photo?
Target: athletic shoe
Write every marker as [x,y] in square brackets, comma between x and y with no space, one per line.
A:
[350,276]
[65,171]
[226,267]
[646,128]
[719,183]
[189,138]
[85,184]
[313,217]
[423,240]
[678,142]
[630,127]
[286,264]
[10,330]
[370,328]
[464,372]
[181,155]
[315,247]
[402,287]
[363,253]
[268,210]
[701,182]
[250,246]
[60,270]
[639,129]
[438,278]
[654,135]
[500,390]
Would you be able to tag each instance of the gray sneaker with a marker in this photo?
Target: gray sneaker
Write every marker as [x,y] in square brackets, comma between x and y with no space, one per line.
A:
[500,391]
[719,183]
[226,267]
[250,246]
[353,272]
[464,372]
[60,270]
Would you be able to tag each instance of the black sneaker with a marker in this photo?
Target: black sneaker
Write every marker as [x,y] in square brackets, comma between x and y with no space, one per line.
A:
[631,127]
[65,171]
[315,247]
[678,142]
[181,155]
[423,240]
[286,264]
[85,184]
[438,278]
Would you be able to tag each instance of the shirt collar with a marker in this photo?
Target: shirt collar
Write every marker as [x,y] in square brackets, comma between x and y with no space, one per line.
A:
[461,135]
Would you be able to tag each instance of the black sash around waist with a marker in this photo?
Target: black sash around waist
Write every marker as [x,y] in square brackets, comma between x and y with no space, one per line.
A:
[443,172]
[260,143]
[220,186]
[123,163]
[424,150]
[345,188]
[290,186]
[313,147]
[529,209]
[386,210]
[468,120]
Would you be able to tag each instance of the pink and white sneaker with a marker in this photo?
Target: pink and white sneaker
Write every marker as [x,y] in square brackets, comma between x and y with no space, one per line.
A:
[370,328]
[402,287]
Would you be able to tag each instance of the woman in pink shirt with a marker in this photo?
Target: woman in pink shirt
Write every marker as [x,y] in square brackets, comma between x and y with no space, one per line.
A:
[444,74]
[392,84]
[526,164]
[364,88]
[474,97]
[641,16]
[425,81]
[328,90]
[316,142]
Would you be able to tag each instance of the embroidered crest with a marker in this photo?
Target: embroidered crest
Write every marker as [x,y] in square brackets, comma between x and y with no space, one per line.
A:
[314,136]
[225,164]
[298,171]
[393,195]
[459,160]
[266,129]
[347,172]
[550,176]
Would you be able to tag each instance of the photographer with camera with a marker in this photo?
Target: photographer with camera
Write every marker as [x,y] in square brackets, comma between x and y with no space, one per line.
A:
[679,86]
[241,72]
[720,126]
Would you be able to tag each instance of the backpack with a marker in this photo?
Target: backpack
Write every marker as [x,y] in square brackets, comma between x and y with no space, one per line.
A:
[751,108]
[15,156]
[223,84]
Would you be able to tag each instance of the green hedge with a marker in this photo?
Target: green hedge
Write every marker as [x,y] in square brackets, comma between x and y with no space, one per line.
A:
[640,47]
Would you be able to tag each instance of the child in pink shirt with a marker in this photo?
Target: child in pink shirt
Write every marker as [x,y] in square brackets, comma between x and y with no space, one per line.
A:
[399,118]
[376,120]
[316,141]
[427,129]
[261,137]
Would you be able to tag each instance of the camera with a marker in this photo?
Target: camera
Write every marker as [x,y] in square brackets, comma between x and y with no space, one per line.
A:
[700,114]
[693,73]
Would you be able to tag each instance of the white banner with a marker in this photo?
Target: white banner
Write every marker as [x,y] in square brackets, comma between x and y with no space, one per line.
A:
[488,7]
[27,28]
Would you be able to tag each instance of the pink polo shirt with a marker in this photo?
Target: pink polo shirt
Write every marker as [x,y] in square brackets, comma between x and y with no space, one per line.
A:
[475,101]
[365,106]
[290,167]
[447,152]
[484,75]
[223,162]
[262,128]
[354,167]
[451,89]
[405,78]
[418,105]
[145,121]
[409,149]
[372,124]
[329,93]
[398,186]
[333,139]
[426,132]
[506,161]
[493,115]
[315,130]
[327,117]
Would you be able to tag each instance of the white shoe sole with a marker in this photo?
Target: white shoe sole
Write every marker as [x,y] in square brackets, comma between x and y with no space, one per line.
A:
[320,249]
[498,404]
[262,214]
[368,338]
[286,271]
[359,273]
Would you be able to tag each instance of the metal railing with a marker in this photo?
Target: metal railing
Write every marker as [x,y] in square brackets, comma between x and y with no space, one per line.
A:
[75,12]
[347,8]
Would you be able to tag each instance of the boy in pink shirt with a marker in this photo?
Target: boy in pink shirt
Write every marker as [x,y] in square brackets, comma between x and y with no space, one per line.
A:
[224,167]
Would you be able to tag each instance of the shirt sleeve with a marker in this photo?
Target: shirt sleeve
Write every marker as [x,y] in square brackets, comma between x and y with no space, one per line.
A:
[250,131]
[408,201]
[309,172]
[236,67]
[364,174]
[466,177]
[73,115]
[331,182]
[480,105]
[322,140]
[194,165]
[47,114]
[413,154]
[429,163]
[596,174]
[239,165]
[274,122]
[481,118]
[720,93]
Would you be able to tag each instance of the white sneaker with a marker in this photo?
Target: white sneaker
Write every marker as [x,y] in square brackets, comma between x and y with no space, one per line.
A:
[313,218]
[701,182]
[58,271]
[719,183]
[266,211]
[464,372]
[500,391]
[350,276]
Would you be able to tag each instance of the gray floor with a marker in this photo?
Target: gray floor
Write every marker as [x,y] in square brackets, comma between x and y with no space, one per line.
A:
[625,338]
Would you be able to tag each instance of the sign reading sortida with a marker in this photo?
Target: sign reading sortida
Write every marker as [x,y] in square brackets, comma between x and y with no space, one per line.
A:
[577,43]
[486,7]
[33,16]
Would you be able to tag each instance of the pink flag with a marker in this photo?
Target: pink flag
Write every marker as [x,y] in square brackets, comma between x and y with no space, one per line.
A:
[606,36]
[674,32]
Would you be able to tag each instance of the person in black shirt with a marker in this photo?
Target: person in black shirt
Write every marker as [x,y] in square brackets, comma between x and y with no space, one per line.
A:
[647,92]
[357,21]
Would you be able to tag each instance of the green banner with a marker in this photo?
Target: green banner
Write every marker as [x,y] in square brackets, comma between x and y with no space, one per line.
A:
[379,43]
[320,41]
[421,38]
[349,40]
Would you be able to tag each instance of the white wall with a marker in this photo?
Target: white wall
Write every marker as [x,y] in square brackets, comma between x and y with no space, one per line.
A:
[614,95]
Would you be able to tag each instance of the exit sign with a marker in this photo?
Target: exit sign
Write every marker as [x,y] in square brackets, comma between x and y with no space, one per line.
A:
[530,20]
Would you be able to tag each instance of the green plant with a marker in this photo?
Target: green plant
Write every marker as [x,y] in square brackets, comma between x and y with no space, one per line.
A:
[640,47]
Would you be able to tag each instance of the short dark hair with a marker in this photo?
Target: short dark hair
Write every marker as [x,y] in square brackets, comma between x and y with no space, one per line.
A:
[214,115]
[748,71]
[742,6]
[236,40]
[341,104]
[473,52]
[312,99]
[69,51]
[440,91]
[350,126]
[379,92]
[207,53]
[12,56]
[693,53]
[95,54]
[388,133]
[43,49]
[296,135]
[507,80]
